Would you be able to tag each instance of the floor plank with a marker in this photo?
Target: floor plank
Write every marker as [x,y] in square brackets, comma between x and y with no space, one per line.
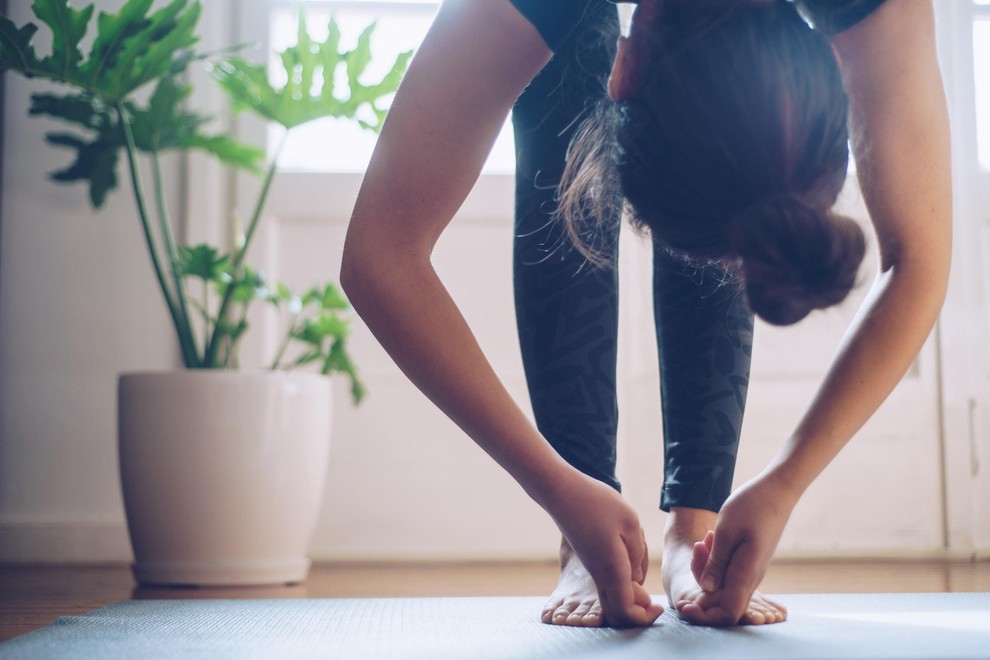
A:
[32,596]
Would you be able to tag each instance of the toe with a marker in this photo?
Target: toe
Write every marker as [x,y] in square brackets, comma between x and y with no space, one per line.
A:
[594,617]
[548,610]
[775,611]
[754,616]
[563,613]
[576,617]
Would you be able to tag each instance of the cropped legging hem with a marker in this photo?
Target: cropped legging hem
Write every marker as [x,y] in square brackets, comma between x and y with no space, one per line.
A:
[692,498]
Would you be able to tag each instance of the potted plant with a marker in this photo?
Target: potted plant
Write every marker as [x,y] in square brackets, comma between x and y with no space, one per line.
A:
[222,470]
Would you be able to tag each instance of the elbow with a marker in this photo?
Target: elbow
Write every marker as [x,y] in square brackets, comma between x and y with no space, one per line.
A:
[349,271]
[354,274]
[922,285]
[921,262]
[370,270]
[927,276]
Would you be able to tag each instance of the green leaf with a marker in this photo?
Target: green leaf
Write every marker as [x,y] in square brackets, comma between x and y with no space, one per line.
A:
[162,125]
[232,330]
[150,52]
[16,51]
[309,92]
[282,294]
[316,331]
[313,296]
[330,57]
[68,28]
[371,94]
[333,298]
[202,261]
[338,360]
[227,150]
[307,358]
[95,163]
[250,285]
[358,59]
[131,47]
[112,31]
[82,109]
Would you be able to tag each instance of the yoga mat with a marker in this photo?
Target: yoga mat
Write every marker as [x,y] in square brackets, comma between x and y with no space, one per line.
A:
[820,626]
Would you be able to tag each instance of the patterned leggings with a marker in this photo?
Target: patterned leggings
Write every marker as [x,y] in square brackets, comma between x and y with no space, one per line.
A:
[568,317]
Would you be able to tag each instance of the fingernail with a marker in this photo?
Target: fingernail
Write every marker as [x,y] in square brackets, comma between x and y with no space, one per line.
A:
[708,584]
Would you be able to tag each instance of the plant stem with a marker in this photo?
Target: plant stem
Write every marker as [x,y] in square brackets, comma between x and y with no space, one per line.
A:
[206,316]
[262,198]
[235,349]
[188,352]
[214,345]
[165,226]
[285,343]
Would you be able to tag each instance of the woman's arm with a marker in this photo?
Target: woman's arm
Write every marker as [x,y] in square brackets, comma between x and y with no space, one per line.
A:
[900,134]
[475,61]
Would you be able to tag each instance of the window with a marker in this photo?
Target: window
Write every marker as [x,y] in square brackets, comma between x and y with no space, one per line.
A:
[337,145]
[981,69]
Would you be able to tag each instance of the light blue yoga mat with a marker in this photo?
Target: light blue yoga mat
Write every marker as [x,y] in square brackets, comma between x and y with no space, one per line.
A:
[820,626]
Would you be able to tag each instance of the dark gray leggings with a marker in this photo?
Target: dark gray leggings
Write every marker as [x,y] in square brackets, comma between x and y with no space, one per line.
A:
[568,316]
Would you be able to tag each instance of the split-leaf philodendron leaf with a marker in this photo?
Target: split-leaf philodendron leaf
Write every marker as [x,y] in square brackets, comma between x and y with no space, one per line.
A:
[132,47]
[309,91]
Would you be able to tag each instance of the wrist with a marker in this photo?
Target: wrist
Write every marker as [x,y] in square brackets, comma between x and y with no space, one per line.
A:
[549,484]
[785,480]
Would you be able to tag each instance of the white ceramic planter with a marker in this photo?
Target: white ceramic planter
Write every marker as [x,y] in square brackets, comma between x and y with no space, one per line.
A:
[222,473]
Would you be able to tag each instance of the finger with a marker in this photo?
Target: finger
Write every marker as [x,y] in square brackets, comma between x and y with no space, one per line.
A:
[636,550]
[614,582]
[628,605]
[709,540]
[646,559]
[699,557]
[741,578]
[641,596]
[718,560]
[710,610]
[616,602]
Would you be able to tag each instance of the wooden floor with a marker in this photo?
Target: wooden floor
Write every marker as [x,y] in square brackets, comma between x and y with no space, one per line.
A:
[33,596]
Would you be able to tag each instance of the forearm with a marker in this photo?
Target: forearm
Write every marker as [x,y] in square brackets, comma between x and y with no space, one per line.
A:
[414,318]
[900,137]
[880,346]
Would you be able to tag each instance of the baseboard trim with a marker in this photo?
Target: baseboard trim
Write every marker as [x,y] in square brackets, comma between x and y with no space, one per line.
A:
[65,542]
[94,542]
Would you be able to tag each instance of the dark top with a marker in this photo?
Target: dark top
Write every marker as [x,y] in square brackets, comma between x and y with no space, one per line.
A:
[555,19]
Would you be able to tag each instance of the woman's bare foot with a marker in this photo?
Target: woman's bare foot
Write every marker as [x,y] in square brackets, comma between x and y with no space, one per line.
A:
[575,600]
[685,527]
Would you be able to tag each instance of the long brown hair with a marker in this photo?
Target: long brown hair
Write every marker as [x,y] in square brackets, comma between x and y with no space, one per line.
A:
[733,148]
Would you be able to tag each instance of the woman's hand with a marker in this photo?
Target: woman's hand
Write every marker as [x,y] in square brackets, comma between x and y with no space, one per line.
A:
[605,532]
[746,535]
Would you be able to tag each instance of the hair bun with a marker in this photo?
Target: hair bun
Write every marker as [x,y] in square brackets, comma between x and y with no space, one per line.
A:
[795,258]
